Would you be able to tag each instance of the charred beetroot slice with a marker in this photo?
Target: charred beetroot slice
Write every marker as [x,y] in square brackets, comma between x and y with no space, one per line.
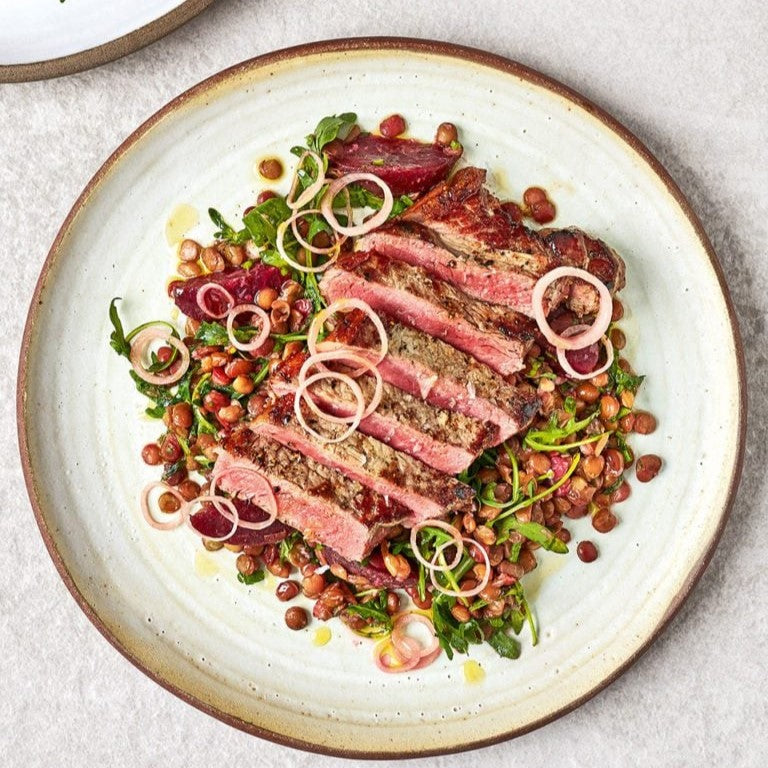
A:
[445,377]
[447,441]
[370,574]
[470,239]
[490,333]
[425,491]
[408,167]
[322,503]
[243,284]
[211,524]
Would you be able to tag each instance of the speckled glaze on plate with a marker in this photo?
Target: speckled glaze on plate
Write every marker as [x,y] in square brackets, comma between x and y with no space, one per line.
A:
[48,38]
[178,613]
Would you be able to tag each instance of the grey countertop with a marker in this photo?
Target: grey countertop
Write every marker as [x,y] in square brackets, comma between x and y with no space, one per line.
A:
[691,80]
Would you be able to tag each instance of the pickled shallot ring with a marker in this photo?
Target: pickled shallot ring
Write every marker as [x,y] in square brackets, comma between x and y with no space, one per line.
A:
[342,356]
[268,496]
[305,244]
[139,347]
[596,330]
[462,592]
[432,566]
[326,204]
[258,340]
[344,305]
[280,243]
[312,189]
[216,501]
[150,518]
[203,292]
[562,356]
[385,652]
[402,622]
[302,394]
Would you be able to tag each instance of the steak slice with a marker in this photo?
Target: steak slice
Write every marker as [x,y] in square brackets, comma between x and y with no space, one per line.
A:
[425,491]
[242,284]
[325,505]
[496,258]
[445,440]
[408,167]
[490,333]
[498,280]
[445,377]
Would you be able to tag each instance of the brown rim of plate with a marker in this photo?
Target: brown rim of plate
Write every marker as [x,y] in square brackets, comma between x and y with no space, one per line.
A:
[102,54]
[481,58]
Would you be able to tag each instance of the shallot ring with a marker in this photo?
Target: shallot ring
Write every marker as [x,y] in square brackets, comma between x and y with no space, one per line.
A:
[398,633]
[596,330]
[326,204]
[345,305]
[301,393]
[203,292]
[405,662]
[463,592]
[255,342]
[312,189]
[139,346]
[269,496]
[279,242]
[343,356]
[562,357]
[149,517]
[432,566]
[305,243]
[215,500]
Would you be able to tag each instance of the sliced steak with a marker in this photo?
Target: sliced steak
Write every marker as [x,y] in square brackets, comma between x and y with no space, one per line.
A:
[472,240]
[209,523]
[490,333]
[498,280]
[409,167]
[444,376]
[325,505]
[424,490]
[242,284]
[445,440]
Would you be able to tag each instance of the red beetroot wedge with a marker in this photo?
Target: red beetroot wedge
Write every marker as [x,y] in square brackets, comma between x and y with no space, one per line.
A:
[492,334]
[444,376]
[409,167]
[325,505]
[211,524]
[445,440]
[424,490]
[242,284]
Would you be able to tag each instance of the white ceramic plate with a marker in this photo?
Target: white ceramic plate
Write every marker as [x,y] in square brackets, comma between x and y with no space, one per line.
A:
[181,616]
[46,38]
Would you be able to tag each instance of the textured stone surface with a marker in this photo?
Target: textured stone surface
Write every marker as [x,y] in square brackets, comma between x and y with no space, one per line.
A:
[691,80]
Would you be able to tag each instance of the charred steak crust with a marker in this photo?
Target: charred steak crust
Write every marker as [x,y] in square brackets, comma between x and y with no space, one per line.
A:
[462,216]
[277,462]
[373,462]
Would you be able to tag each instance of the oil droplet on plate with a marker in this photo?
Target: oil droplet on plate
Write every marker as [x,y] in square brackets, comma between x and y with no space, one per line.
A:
[205,566]
[183,217]
[473,672]
[322,636]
